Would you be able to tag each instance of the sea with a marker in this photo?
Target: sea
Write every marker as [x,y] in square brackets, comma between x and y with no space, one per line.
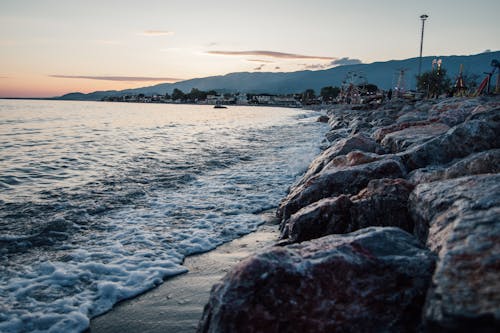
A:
[100,202]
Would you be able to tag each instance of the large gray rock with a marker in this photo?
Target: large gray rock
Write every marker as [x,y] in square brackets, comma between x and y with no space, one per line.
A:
[459,219]
[341,147]
[338,180]
[474,164]
[373,280]
[401,140]
[469,137]
[382,203]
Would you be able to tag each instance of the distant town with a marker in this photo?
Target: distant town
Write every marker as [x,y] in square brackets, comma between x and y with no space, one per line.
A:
[327,95]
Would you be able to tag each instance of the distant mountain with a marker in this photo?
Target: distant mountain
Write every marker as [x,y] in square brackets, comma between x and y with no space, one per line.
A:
[383,74]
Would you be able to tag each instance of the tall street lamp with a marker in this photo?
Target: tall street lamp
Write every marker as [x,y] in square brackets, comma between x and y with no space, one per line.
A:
[423,18]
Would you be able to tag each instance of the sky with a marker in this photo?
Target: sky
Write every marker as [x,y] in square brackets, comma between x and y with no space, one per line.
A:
[52,47]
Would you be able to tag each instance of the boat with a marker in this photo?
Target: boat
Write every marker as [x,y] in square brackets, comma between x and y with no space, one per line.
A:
[219,105]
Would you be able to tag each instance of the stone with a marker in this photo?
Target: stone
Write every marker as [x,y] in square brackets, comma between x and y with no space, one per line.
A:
[341,147]
[373,280]
[323,119]
[474,164]
[412,136]
[324,217]
[459,219]
[380,133]
[472,136]
[331,182]
[382,203]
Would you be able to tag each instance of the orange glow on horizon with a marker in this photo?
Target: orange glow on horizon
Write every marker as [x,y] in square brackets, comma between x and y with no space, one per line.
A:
[47,87]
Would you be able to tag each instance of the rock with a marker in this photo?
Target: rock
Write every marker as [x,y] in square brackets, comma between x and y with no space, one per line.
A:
[323,119]
[324,217]
[412,136]
[373,280]
[469,137]
[475,164]
[459,219]
[380,133]
[342,147]
[331,182]
[382,203]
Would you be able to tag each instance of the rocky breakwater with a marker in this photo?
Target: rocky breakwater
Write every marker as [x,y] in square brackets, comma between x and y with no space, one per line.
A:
[395,227]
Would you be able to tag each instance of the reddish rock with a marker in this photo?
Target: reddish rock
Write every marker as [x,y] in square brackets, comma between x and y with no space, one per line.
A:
[342,147]
[334,181]
[382,203]
[380,133]
[469,137]
[373,280]
[323,119]
[459,219]
[411,136]
[475,164]
[324,217]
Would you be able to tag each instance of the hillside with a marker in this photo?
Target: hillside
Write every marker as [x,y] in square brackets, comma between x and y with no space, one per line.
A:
[383,74]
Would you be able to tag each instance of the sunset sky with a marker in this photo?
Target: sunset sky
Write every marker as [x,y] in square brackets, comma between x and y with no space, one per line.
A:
[52,47]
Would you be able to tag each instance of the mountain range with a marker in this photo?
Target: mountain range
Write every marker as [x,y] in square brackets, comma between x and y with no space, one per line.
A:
[383,74]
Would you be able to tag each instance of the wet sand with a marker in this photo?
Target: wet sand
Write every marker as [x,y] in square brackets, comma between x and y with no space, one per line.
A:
[176,306]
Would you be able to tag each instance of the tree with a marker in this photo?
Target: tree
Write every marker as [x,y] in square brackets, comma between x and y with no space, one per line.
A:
[308,96]
[434,83]
[329,93]
[370,88]
[178,95]
[196,95]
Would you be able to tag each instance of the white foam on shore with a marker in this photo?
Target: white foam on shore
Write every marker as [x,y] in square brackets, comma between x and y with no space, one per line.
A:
[136,248]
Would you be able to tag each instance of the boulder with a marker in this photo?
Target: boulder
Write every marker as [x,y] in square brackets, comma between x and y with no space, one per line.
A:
[323,119]
[380,133]
[459,219]
[474,164]
[411,136]
[341,147]
[373,280]
[331,182]
[382,203]
[469,137]
[324,217]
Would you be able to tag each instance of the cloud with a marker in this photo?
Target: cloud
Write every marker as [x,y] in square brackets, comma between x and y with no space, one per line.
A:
[118,78]
[337,62]
[261,60]
[271,54]
[156,33]
[345,61]
[317,66]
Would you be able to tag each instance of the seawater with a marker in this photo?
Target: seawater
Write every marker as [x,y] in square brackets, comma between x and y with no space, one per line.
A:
[102,201]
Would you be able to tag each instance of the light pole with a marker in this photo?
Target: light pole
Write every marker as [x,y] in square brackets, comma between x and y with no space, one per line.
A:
[423,18]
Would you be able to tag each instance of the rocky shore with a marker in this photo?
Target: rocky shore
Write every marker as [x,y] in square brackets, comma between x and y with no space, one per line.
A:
[395,227]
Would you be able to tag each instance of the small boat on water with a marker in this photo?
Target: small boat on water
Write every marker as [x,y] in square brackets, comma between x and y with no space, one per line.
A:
[219,105]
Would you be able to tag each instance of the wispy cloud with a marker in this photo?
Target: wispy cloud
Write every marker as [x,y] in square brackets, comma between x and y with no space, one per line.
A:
[337,62]
[118,78]
[156,33]
[271,54]
[261,60]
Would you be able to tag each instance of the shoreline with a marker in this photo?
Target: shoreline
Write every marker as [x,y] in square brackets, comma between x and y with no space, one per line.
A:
[177,304]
